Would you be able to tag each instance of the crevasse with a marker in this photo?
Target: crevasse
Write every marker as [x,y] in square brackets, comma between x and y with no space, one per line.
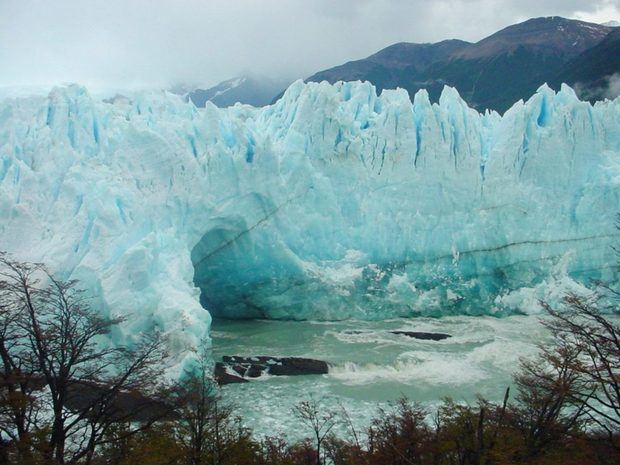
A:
[332,203]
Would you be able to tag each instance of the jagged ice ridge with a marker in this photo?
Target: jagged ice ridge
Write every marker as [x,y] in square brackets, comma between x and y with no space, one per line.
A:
[332,203]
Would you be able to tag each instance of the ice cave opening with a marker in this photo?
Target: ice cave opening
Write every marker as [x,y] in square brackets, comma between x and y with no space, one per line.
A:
[228,269]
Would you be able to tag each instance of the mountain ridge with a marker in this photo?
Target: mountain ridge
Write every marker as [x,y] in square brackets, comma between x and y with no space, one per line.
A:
[492,73]
[594,71]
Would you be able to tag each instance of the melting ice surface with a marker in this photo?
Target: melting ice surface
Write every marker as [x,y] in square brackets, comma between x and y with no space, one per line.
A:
[334,203]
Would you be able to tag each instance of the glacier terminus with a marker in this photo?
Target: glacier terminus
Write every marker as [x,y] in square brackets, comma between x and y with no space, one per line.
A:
[333,203]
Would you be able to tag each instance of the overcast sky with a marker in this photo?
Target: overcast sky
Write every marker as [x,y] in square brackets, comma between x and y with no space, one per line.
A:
[155,43]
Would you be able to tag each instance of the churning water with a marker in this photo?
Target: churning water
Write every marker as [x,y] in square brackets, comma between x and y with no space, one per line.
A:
[370,366]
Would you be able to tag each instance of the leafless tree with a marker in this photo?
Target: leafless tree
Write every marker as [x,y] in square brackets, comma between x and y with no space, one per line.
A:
[588,326]
[319,419]
[54,339]
[18,384]
[546,389]
[206,426]
[586,353]
[199,415]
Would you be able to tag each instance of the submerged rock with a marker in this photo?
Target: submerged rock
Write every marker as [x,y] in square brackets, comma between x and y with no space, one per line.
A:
[423,335]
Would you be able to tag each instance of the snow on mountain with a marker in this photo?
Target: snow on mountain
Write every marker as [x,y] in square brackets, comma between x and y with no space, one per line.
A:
[257,91]
[200,97]
[332,203]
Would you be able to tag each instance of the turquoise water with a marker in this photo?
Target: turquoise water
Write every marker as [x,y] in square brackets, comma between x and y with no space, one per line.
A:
[369,366]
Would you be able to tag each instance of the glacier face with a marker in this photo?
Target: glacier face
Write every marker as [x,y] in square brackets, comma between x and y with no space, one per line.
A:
[332,203]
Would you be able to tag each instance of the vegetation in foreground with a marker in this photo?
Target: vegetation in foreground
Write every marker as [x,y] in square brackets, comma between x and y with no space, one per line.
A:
[65,399]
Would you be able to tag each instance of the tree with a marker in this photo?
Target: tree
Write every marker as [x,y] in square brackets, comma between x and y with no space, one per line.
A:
[582,366]
[274,450]
[546,388]
[55,340]
[198,398]
[469,434]
[207,427]
[156,445]
[201,417]
[18,386]
[310,412]
[588,328]
[398,436]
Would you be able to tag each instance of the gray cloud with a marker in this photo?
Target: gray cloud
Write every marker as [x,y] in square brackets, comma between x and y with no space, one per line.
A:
[146,43]
[608,88]
[613,86]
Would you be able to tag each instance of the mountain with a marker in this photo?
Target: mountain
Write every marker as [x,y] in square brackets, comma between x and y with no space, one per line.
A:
[394,65]
[492,73]
[251,90]
[595,74]
[333,203]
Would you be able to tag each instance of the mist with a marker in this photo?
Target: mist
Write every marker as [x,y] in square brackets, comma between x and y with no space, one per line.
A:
[152,44]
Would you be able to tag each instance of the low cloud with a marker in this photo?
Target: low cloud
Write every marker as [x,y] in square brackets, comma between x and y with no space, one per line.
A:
[155,43]
[609,87]
[613,86]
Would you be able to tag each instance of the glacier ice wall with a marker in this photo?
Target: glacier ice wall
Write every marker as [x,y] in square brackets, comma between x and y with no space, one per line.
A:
[332,203]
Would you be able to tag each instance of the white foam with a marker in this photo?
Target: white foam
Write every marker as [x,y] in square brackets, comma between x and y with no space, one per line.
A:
[413,368]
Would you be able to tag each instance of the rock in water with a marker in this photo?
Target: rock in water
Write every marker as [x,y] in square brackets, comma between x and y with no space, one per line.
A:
[292,366]
[223,375]
[234,369]
[422,335]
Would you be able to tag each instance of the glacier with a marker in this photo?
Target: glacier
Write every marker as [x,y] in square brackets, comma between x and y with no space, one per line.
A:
[332,203]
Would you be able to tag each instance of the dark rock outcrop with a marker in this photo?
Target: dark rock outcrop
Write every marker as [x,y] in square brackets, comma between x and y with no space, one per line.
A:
[118,405]
[292,366]
[422,335]
[223,374]
[235,369]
